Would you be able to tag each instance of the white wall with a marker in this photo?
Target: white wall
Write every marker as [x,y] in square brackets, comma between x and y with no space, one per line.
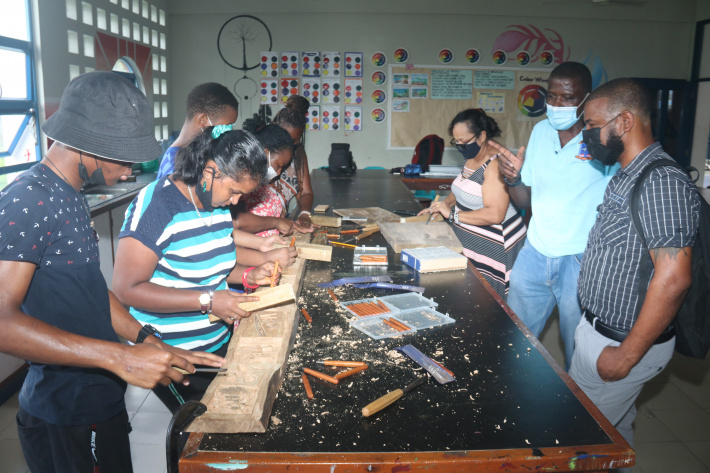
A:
[651,41]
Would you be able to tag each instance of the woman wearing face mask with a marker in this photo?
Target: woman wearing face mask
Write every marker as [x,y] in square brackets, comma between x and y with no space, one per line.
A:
[176,254]
[266,206]
[489,227]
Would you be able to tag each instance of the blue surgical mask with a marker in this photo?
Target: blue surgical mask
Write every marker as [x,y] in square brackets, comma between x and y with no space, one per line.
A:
[563,118]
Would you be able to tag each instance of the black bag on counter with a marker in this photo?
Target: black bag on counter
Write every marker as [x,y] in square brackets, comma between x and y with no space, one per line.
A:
[341,159]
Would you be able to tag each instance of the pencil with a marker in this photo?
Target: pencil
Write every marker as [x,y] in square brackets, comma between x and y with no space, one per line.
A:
[350,372]
[322,376]
[349,364]
[348,232]
[305,314]
[400,324]
[273,274]
[307,386]
[337,243]
[389,322]
[332,295]
[293,241]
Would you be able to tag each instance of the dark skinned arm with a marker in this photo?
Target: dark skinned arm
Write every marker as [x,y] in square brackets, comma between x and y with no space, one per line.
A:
[509,165]
[285,256]
[251,223]
[26,337]
[305,198]
[666,290]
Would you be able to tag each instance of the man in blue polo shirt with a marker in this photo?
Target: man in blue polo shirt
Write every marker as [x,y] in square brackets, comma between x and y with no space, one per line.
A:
[564,186]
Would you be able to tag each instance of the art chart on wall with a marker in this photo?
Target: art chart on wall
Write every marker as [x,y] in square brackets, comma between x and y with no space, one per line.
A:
[446,56]
[379,59]
[401,55]
[311,63]
[269,64]
[330,91]
[289,87]
[400,105]
[419,92]
[311,89]
[491,102]
[331,64]
[499,57]
[473,56]
[269,91]
[289,64]
[522,58]
[378,78]
[353,91]
[353,118]
[330,118]
[313,118]
[353,64]
[378,115]
[379,96]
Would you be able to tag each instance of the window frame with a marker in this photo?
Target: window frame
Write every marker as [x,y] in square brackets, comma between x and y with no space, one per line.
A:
[28,107]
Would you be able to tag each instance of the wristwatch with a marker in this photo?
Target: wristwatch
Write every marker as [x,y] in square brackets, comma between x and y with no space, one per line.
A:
[456,216]
[205,300]
[451,216]
[146,331]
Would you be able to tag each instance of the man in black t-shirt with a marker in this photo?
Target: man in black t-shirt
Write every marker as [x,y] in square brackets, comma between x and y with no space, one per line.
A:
[55,308]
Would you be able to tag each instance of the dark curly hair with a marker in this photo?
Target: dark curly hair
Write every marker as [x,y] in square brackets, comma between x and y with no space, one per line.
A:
[271,136]
[294,113]
[210,98]
[476,121]
[237,154]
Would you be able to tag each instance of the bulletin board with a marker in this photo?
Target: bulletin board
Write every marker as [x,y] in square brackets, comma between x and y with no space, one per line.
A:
[514,97]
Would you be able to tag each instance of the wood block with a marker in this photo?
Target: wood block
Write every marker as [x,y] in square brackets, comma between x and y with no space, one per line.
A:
[326,221]
[434,259]
[268,297]
[372,214]
[418,235]
[421,218]
[315,252]
[321,208]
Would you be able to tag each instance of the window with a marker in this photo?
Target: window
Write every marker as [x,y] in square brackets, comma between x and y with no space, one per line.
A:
[19,147]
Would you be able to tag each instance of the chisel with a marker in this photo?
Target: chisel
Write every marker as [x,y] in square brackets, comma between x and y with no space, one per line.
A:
[201,370]
[436,199]
[390,397]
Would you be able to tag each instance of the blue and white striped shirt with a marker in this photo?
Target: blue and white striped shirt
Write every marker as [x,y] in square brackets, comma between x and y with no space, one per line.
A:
[190,254]
[669,208]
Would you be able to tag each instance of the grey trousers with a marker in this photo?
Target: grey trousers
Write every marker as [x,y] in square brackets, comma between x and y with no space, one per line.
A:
[615,399]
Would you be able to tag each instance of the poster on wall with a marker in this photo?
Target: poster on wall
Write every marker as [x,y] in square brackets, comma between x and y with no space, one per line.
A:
[500,80]
[311,63]
[353,91]
[289,64]
[269,91]
[451,84]
[313,118]
[331,64]
[379,59]
[311,90]
[491,102]
[378,78]
[269,64]
[531,95]
[353,64]
[379,96]
[353,118]
[419,92]
[289,87]
[420,79]
[331,91]
[378,115]
[331,118]
[400,105]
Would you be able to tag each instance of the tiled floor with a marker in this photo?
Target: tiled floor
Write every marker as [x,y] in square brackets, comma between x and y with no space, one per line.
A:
[672,428]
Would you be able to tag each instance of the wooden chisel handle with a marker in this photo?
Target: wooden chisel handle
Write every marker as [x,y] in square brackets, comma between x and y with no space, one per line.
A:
[381,403]
[366,234]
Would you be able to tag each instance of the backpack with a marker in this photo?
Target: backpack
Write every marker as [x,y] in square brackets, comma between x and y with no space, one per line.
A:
[429,150]
[692,323]
[341,159]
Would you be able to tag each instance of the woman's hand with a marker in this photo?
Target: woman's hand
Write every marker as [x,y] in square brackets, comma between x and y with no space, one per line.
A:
[261,275]
[437,207]
[225,305]
[269,241]
[284,226]
[304,224]
[285,256]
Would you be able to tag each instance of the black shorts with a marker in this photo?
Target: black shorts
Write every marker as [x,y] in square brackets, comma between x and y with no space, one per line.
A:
[95,448]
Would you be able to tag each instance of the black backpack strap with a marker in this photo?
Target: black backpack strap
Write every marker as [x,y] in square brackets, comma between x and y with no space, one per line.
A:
[646,264]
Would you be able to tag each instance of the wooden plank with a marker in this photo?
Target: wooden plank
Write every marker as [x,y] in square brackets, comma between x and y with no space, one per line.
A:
[241,399]
[372,214]
[311,251]
[419,235]
[326,221]
[268,297]
[421,218]
[321,208]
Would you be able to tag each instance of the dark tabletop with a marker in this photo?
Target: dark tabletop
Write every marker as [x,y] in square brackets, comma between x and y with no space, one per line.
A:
[506,394]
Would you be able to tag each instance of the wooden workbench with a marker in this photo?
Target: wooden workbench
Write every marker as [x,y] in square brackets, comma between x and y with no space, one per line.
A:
[511,408]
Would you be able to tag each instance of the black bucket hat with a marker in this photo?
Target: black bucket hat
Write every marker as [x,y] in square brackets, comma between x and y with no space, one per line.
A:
[104,114]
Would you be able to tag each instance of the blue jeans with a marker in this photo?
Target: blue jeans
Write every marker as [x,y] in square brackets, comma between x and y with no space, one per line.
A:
[537,284]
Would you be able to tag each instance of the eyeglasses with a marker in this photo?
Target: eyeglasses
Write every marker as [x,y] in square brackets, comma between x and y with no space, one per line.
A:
[462,146]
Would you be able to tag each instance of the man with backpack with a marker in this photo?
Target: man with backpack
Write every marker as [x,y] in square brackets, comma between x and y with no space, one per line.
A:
[626,338]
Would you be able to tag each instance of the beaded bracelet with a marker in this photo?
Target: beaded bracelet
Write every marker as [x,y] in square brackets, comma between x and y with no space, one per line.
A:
[244,280]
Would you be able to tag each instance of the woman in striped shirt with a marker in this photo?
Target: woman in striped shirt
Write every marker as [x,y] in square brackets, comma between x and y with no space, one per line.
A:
[176,254]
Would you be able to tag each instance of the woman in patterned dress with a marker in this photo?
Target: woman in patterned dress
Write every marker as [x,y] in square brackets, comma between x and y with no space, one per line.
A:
[484,219]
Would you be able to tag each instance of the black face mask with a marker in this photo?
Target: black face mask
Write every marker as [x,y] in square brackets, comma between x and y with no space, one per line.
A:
[470,150]
[97,177]
[205,196]
[607,154]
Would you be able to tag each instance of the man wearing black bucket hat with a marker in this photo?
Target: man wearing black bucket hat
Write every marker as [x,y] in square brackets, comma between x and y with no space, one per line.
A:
[55,308]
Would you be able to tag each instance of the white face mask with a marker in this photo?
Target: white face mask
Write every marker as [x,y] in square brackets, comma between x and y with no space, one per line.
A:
[562,118]
[270,173]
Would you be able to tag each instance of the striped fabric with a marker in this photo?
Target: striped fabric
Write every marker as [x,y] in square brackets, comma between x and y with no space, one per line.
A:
[491,248]
[669,209]
[191,256]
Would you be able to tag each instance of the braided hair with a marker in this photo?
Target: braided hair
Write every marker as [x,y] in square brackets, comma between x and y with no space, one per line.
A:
[294,115]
